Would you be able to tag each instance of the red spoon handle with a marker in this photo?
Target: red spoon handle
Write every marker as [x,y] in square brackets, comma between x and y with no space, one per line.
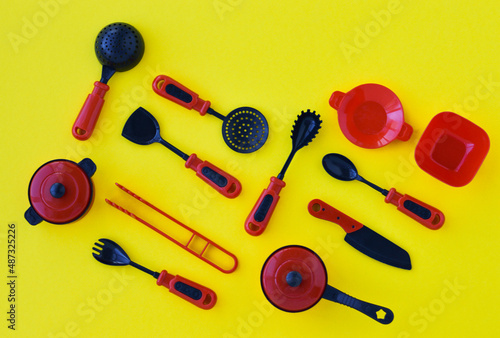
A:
[258,219]
[87,119]
[221,181]
[322,210]
[194,293]
[423,213]
[170,89]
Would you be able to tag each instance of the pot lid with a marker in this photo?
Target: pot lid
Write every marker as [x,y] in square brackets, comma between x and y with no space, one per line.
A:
[60,191]
[293,278]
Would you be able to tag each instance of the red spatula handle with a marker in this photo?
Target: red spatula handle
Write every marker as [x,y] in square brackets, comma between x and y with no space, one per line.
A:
[221,181]
[170,89]
[194,293]
[423,213]
[258,219]
[87,119]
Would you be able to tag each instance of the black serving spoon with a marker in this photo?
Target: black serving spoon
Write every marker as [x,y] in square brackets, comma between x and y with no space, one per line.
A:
[108,252]
[341,168]
[304,130]
[119,47]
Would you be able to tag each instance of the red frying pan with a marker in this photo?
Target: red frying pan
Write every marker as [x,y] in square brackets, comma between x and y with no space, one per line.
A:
[294,279]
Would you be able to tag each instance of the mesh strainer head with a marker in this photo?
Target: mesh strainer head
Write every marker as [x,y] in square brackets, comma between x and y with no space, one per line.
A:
[245,130]
[119,46]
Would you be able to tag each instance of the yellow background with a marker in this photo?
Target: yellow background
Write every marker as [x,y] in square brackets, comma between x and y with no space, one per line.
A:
[279,57]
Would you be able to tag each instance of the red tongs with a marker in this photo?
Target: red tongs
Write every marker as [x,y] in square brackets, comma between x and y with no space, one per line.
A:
[195,236]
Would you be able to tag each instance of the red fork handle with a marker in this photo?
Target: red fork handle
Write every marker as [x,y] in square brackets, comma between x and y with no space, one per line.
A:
[87,118]
[258,219]
[423,213]
[194,293]
[170,89]
[322,210]
[221,181]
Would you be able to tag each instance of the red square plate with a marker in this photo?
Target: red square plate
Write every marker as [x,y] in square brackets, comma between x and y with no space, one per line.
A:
[452,149]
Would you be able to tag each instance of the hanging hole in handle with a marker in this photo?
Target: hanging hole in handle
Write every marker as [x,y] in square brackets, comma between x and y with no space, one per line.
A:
[381,314]
[207,300]
[232,188]
[436,220]
[253,227]
[80,131]
[316,207]
[159,84]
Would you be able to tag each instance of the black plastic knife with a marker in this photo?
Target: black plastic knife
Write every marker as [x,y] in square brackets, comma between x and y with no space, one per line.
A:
[361,237]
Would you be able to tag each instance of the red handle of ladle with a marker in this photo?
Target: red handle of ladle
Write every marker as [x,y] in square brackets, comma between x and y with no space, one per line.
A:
[194,293]
[423,213]
[218,179]
[170,89]
[87,118]
[262,211]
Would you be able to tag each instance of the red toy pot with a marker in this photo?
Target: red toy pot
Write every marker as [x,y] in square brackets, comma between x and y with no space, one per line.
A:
[60,192]
[370,116]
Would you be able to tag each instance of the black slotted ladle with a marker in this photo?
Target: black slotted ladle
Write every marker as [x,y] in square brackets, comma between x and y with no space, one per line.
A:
[142,128]
[341,168]
[304,130]
[119,47]
[244,129]
[108,252]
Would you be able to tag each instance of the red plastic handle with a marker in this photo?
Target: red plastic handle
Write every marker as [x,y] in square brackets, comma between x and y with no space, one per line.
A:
[322,210]
[221,181]
[423,213]
[87,118]
[258,219]
[170,89]
[194,293]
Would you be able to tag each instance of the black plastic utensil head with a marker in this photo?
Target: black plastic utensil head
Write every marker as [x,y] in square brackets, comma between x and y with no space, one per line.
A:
[119,46]
[305,129]
[378,247]
[141,128]
[110,253]
[245,130]
[340,167]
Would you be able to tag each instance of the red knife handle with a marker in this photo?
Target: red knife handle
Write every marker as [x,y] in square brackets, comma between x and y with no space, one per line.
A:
[320,209]
[194,293]
[221,181]
[87,118]
[170,89]
[421,212]
[258,219]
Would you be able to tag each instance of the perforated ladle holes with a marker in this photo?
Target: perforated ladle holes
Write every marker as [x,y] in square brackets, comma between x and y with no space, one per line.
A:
[119,45]
[245,130]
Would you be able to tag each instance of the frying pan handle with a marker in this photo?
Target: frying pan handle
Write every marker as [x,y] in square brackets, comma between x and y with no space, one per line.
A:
[87,119]
[258,219]
[194,293]
[221,181]
[322,210]
[423,213]
[170,89]
[379,313]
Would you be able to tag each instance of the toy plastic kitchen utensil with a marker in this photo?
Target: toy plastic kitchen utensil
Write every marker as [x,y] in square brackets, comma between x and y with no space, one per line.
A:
[452,149]
[361,237]
[341,168]
[371,116]
[244,130]
[210,247]
[119,47]
[108,252]
[304,130]
[142,128]
[294,279]
[60,191]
